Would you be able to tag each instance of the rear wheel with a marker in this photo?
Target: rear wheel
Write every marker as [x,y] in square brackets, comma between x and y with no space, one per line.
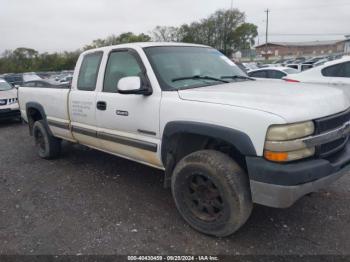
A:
[48,146]
[212,193]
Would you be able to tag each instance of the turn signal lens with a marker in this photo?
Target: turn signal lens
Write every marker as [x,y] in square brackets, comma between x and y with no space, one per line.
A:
[289,156]
[276,156]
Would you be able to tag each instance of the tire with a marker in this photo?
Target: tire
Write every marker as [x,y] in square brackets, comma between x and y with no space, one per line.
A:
[212,193]
[48,146]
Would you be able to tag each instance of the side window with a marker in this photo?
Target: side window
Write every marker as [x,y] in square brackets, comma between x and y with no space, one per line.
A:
[333,71]
[259,74]
[40,84]
[120,64]
[346,69]
[276,74]
[293,66]
[89,71]
[29,84]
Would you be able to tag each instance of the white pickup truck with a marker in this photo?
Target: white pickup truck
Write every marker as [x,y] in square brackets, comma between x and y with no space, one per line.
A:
[223,140]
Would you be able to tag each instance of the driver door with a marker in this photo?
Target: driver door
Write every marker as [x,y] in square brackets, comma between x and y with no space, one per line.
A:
[128,124]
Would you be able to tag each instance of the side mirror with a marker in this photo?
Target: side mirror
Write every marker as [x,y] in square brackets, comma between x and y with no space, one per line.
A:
[132,85]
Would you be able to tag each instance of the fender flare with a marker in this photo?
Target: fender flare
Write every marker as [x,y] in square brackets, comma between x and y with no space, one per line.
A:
[39,107]
[238,139]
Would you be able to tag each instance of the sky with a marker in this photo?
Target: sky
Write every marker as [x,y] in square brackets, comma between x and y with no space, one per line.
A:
[59,25]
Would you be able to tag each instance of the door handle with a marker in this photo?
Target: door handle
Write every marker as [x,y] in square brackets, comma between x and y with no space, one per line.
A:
[101,105]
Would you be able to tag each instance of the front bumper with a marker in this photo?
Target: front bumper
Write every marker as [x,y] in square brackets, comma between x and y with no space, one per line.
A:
[6,114]
[281,185]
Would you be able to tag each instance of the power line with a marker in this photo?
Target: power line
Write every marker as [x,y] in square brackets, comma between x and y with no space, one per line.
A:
[312,7]
[307,34]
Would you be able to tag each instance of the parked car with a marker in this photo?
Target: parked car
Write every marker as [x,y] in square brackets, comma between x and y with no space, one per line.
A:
[300,67]
[250,66]
[9,107]
[272,72]
[314,60]
[14,79]
[18,79]
[45,83]
[223,140]
[66,80]
[335,72]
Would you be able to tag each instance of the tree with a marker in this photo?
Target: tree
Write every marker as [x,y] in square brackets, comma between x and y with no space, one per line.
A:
[165,34]
[244,37]
[221,30]
[124,38]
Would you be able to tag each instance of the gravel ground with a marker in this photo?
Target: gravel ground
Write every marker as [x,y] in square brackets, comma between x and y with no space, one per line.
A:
[88,202]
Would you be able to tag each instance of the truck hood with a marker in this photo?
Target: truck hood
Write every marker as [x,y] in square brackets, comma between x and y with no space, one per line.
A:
[291,101]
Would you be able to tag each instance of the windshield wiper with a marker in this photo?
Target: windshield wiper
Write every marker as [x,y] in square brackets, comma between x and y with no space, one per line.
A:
[200,78]
[238,77]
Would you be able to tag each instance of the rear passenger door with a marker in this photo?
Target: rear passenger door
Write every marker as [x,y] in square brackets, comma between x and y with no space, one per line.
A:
[128,123]
[82,101]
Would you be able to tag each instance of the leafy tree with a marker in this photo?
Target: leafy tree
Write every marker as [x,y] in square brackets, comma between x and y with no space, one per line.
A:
[116,40]
[218,30]
[166,34]
[225,30]
[245,36]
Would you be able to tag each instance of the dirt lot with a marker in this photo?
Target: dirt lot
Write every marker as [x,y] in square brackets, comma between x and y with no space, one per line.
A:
[88,202]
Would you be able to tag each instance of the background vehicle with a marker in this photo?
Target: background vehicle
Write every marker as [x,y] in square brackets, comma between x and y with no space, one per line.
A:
[18,79]
[336,73]
[223,140]
[45,83]
[8,101]
[300,67]
[272,72]
[250,66]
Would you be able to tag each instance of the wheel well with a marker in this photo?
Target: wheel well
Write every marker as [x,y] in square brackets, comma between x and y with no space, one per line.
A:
[181,145]
[33,115]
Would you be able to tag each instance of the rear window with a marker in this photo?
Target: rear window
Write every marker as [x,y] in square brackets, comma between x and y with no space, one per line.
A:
[89,71]
[339,70]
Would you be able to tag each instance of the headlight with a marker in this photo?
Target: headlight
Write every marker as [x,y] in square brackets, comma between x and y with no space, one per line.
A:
[284,144]
[289,132]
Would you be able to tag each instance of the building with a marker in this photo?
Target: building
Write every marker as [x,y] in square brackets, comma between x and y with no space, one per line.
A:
[295,49]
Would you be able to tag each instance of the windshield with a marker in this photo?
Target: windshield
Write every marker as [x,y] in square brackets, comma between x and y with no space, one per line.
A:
[4,86]
[189,67]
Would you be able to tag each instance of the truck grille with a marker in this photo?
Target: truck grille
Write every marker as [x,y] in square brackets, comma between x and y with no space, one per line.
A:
[327,124]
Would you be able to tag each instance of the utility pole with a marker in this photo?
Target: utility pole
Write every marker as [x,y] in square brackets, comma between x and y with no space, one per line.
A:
[231,4]
[267,31]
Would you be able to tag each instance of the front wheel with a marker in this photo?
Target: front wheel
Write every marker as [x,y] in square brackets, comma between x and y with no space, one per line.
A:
[212,193]
[48,146]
